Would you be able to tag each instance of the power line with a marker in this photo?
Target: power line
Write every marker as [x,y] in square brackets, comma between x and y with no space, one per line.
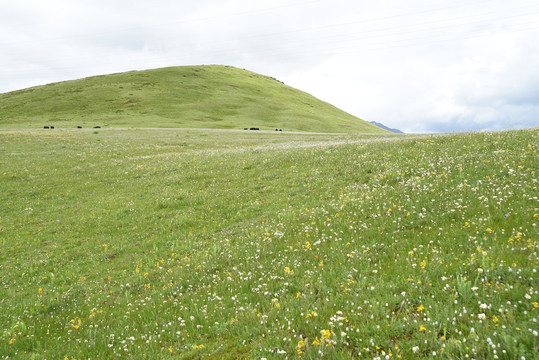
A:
[343,37]
[302,47]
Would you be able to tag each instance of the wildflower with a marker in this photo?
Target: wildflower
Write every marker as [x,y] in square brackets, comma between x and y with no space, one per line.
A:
[287,271]
[196,347]
[415,349]
[40,291]
[420,308]
[325,334]
[299,347]
[482,316]
[76,323]
[422,328]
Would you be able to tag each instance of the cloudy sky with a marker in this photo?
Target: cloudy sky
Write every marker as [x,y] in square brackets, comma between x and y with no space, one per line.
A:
[415,65]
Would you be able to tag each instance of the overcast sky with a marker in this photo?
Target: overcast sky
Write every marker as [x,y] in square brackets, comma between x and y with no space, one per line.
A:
[415,65]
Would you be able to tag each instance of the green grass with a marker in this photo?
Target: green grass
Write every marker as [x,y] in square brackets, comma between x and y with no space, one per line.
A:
[191,244]
[216,97]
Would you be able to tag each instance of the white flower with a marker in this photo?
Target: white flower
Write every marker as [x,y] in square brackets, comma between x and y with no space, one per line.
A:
[483,306]
[281,352]
[482,316]
[415,349]
[527,296]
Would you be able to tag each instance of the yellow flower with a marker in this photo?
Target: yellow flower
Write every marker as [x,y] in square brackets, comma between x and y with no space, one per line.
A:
[287,271]
[422,328]
[76,323]
[300,346]
[40,291]
[325,334]
[420,308]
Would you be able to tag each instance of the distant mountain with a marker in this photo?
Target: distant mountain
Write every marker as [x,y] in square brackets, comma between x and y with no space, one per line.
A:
[206,96]
[396,131]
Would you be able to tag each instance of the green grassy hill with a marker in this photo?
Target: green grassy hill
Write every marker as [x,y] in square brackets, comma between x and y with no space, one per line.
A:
[215,97]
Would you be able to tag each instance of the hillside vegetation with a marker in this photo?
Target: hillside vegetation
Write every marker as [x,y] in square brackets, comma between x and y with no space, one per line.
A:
[215,97]
[189,244]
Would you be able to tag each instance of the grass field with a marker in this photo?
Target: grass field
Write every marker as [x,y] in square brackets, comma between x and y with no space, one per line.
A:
[218,97]
[188,244]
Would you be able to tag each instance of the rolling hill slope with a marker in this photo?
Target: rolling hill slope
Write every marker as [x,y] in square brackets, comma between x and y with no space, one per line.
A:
[217,97]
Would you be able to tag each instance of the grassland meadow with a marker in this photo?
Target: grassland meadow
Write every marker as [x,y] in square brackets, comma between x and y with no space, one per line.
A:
[191,244]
